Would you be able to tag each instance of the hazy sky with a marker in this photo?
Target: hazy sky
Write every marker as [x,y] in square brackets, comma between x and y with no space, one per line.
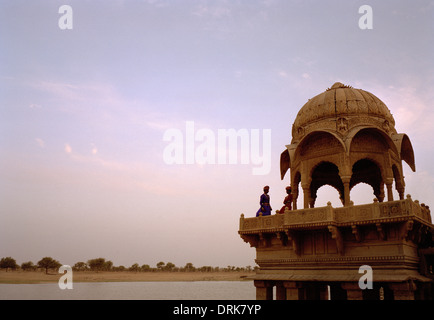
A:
[83,113]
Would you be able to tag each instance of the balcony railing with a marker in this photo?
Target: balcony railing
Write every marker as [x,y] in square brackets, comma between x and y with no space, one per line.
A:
[324,216]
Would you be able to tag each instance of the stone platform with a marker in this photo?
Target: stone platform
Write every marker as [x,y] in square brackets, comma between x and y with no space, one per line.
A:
[316,253]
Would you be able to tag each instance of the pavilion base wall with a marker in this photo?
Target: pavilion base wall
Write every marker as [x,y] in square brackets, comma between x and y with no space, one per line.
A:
[324,258]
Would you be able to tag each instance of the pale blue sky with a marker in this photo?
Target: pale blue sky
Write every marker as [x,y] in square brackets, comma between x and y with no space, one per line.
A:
[83,113]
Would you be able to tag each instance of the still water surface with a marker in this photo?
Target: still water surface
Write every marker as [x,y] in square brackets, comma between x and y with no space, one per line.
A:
[195,290]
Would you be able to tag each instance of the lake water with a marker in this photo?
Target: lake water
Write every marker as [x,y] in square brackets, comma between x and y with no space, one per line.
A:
[194,290]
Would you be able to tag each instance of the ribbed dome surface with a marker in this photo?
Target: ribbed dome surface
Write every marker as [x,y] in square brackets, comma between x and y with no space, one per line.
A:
[341,100]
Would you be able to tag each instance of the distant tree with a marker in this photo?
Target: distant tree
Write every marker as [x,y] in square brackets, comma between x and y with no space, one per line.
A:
[135,267]
[120,268]
[205,269]
[145,268]
[97,264]
[80,266]
[28,266]
[189,267]
[108,265]
[8,262]
[160,265]
[48,263]
[169,266]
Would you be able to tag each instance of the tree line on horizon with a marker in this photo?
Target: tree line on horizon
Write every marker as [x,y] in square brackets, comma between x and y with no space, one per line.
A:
[101,264]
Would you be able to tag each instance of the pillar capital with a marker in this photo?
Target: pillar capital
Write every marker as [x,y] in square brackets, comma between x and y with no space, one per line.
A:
[263,283]
[264,289]
[403,290]
[345,178]
[292,284]
[353,290]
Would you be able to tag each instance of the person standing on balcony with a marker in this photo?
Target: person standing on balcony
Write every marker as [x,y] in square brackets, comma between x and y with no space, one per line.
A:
[264,202]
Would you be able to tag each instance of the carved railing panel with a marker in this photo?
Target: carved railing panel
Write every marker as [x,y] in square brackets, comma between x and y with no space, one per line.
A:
[314,215]
[375,212]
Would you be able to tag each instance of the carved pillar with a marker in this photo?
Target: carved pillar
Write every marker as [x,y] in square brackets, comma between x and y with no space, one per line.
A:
[337,292]
[292,290]
[380,195]
[400,186]
[389,186]
[353,290]
[306,193]
[294,197]
[312,290]
[346,182]
[280,291]
[312,202]
[401,191]
[323,292]
[403,290]
[264,290]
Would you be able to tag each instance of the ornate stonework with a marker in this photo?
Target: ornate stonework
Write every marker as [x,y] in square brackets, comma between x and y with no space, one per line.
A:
[343,137]
[343,103]
[349,128]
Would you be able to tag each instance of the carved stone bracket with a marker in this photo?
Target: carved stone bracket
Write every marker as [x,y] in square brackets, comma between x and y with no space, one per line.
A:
[337,236]
[294,241]
[281,236]
[250,239]
[380,231]
[416,234]
[355,230]
[262,240]
[405,229]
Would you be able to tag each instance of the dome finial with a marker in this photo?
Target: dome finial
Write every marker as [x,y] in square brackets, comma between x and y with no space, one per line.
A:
[338,85]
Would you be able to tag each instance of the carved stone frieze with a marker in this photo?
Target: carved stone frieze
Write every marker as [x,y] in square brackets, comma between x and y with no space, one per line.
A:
[342,125]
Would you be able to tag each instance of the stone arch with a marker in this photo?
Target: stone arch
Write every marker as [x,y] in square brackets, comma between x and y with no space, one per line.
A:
[369,139]
[407,153]
[403,144]
[319,142]
[285,163]
[315,148]
[368,171]
[325,173]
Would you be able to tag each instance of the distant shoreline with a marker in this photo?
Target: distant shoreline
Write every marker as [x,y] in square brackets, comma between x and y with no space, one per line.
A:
[35,277]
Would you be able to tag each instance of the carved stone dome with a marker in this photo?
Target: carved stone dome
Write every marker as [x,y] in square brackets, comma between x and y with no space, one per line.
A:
[343,137]
[345,103]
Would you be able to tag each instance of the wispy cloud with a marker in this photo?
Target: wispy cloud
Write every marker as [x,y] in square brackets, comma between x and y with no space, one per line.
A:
[99,103]
[35,106]
[283,74]
[132,175]
[157,3]
[40,142]
[212,11]
[409,106]
[68,148]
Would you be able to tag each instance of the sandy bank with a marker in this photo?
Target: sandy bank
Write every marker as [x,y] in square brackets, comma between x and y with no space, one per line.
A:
[22,277]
